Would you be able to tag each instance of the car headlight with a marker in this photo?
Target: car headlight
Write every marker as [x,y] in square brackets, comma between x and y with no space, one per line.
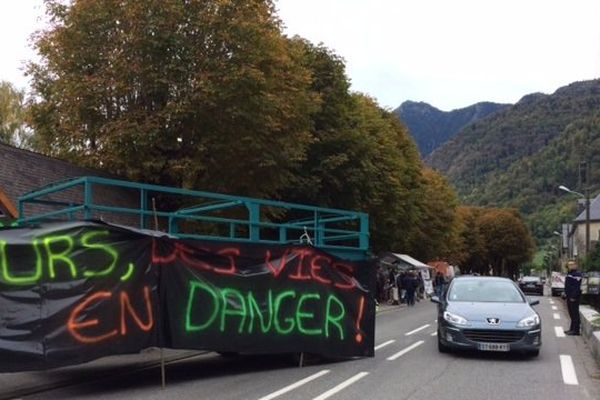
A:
[455,319]
[529,322]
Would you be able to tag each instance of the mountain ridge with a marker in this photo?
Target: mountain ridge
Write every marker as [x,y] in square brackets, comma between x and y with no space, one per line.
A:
[517,157]
[431,127]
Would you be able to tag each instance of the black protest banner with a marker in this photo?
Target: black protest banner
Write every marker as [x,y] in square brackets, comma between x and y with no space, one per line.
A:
[74,292]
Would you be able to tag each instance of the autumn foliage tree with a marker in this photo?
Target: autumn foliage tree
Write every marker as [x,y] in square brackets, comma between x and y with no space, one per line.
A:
[497,241]
[188,93]
[437,233]
[211,95]
[361,156]
[471,252]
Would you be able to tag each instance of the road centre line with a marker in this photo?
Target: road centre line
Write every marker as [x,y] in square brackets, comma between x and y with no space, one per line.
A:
[559,331]
[554,308]
[556,315]
[384,344]
[341,386]
[416,330]
[551,301]
[568,370]
[295,385]
[379,346]
[406,350]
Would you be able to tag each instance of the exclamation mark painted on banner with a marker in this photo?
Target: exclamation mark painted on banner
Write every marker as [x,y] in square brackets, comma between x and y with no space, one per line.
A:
[361,306]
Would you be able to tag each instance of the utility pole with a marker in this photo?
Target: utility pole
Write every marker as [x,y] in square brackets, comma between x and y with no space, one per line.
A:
[584,174]
[587,221]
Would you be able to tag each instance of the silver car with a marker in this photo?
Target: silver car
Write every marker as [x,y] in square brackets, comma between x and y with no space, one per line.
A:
[487,314]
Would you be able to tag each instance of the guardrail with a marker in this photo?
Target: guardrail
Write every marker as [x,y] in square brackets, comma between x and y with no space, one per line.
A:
[590,329]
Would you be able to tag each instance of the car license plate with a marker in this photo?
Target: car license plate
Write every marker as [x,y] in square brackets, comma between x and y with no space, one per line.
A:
[530,285]
[493,346]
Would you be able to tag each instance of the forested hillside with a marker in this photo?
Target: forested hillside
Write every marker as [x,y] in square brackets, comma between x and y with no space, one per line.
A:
[531,183]
[519,156]
[431,128]
[492,145]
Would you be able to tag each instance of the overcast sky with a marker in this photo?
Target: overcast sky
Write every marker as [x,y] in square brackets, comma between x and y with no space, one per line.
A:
[448,53]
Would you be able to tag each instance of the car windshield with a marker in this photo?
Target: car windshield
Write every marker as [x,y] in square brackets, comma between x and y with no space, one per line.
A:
[530,279]
[483,290]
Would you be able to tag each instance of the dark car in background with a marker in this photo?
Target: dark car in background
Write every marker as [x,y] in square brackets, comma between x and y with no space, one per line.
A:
[487,314]
[532,284]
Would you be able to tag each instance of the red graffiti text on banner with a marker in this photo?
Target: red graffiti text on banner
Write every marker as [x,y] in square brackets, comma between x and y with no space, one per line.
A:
[76,326]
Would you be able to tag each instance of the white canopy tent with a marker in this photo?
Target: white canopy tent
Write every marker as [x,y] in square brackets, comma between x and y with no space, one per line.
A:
[404,262]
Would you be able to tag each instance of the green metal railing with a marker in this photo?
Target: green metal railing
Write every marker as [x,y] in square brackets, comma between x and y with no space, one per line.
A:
[212,217]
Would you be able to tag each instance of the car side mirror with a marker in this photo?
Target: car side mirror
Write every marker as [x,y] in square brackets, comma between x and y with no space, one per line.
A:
[534,302]
[435,299]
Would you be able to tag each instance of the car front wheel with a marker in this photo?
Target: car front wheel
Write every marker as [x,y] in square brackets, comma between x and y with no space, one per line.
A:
[533,353]
[442,348]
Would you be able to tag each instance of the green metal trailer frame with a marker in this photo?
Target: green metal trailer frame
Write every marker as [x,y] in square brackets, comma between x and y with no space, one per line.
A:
[340,232]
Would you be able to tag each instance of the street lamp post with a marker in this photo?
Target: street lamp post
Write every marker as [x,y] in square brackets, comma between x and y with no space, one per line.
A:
[560,248]
[585,196]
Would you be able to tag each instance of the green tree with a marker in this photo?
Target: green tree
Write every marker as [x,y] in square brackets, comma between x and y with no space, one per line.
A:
[198,93]
[471,254]
[387,175]
[437,230]
[374,166]
[507,239]
[209,94]
[361,157]
[12,115]
[592,262]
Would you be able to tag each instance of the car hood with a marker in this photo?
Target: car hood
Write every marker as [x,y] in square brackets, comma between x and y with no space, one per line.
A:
[478,312]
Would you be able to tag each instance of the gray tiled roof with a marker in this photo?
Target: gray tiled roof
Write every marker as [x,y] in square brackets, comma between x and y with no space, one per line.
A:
[594,211]
[22,171]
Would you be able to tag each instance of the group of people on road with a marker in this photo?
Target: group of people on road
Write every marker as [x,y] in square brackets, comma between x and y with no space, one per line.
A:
[404,287]
[407,284]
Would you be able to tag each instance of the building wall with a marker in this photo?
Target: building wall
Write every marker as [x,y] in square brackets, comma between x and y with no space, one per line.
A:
[579,238]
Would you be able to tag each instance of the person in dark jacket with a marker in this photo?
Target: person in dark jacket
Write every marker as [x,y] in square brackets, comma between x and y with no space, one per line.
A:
[573,296]
[401,291]
[410,283]
[439,283]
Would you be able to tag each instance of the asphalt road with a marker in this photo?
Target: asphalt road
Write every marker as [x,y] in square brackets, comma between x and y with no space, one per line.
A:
[406,365]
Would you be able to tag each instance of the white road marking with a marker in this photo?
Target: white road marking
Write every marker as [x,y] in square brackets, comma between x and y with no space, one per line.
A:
[384,344]
[406,350]
[554,308]
[559,331]
[294,385]
[568,370]
[416,330]
[434,333]
[341,386]
[556,315]
[551,301]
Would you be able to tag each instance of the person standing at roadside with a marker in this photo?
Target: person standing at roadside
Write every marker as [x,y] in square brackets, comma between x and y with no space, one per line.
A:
[410,283]
[573,296]
[399,278]
[439,283]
